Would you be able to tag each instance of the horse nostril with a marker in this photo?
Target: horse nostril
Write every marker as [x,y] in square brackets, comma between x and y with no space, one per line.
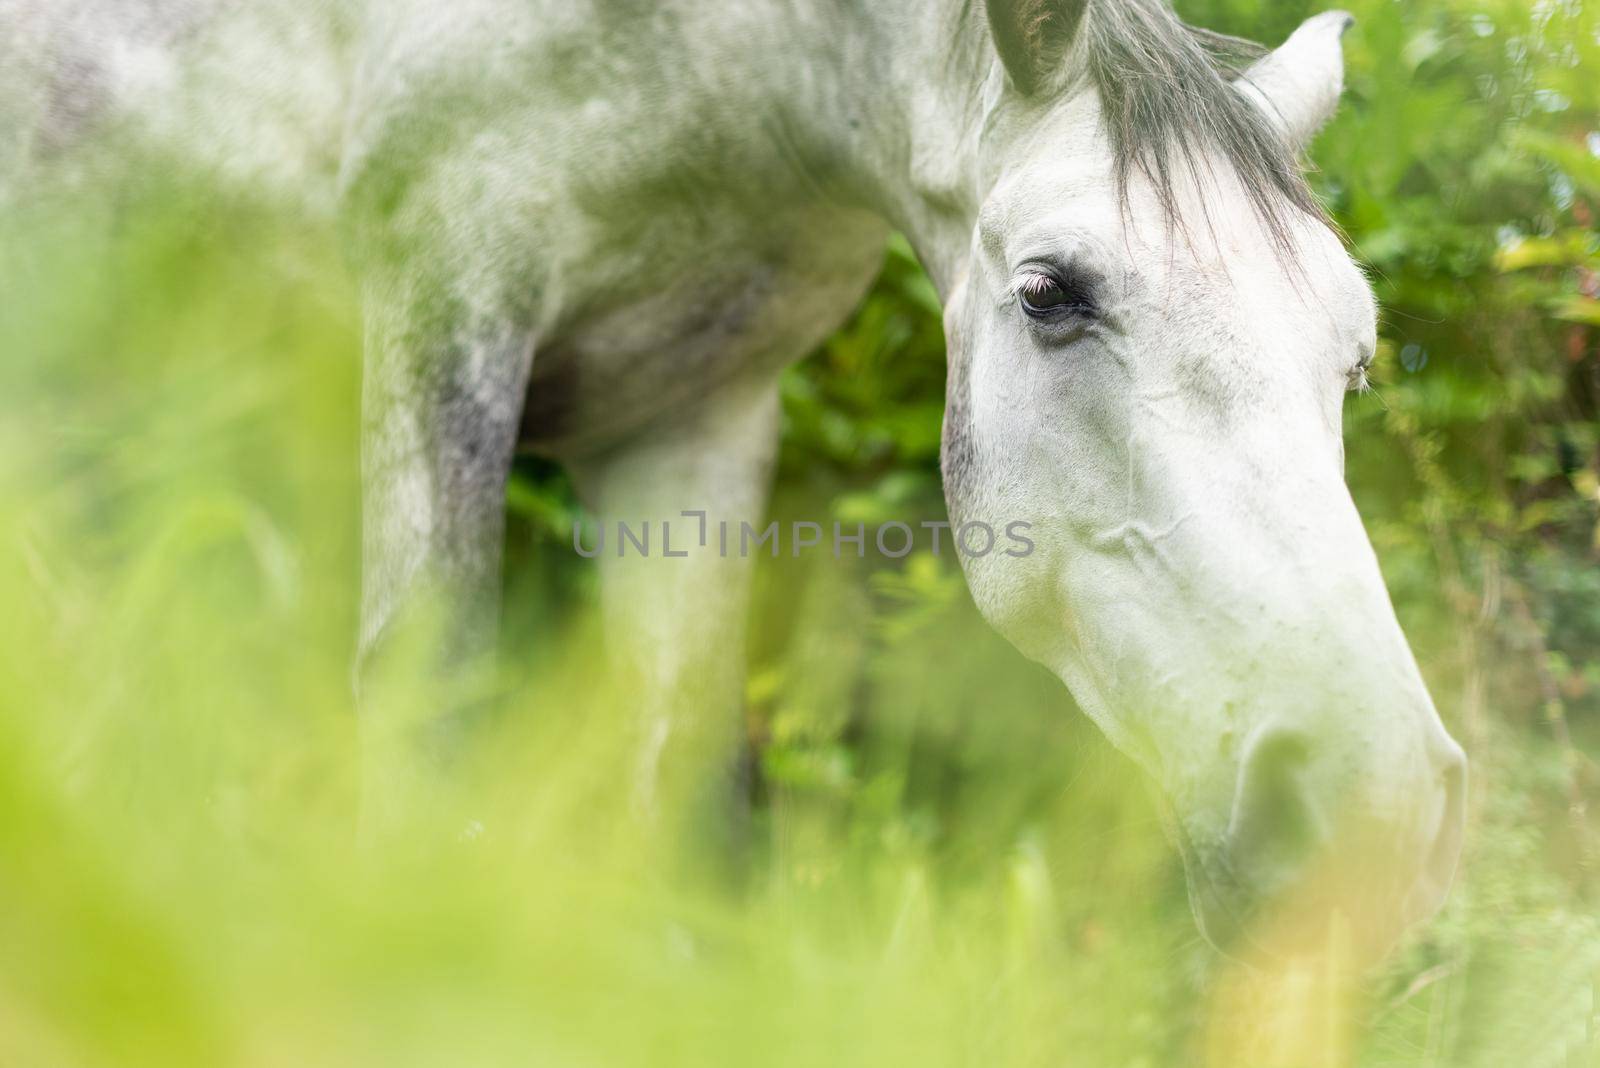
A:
[1314,833]
[1274,824]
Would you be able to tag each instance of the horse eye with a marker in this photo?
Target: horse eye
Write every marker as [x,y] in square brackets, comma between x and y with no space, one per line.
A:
[1357,380]
[1044,296]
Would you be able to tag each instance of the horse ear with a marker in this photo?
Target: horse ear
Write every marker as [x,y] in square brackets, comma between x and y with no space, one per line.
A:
[1298,84]
[1032,36]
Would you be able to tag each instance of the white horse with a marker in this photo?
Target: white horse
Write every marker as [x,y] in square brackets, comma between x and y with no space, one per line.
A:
[602,228]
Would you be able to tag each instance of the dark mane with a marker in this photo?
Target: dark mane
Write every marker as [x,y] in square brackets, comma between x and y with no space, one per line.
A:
[1167,96]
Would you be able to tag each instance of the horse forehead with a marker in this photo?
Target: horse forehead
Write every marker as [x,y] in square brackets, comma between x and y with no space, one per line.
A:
[1046,191]
[1205,235]
[1214,236]
[1310,291]
[1207,214]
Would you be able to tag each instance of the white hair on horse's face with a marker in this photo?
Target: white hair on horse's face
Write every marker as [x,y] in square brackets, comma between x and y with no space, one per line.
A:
[1149,351]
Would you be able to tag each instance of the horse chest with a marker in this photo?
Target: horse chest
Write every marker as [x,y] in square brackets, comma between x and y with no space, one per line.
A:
[633,356]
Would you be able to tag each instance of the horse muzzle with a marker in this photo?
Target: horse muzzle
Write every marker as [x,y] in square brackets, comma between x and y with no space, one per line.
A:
[1324,846]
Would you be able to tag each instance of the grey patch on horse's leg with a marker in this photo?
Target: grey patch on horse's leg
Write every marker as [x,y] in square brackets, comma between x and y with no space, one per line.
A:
[440,414]
[675,627]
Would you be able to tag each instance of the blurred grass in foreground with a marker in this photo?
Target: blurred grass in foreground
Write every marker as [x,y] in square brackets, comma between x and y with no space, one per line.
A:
[948,865]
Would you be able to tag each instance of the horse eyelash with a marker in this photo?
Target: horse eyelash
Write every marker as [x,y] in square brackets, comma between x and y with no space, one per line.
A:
[1034,283]
[1037,281]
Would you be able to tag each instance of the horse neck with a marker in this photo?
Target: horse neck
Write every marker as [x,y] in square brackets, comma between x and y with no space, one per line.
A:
[916,82]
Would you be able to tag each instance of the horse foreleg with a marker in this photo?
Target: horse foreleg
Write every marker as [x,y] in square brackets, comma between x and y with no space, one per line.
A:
[675,624]
[441,403]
